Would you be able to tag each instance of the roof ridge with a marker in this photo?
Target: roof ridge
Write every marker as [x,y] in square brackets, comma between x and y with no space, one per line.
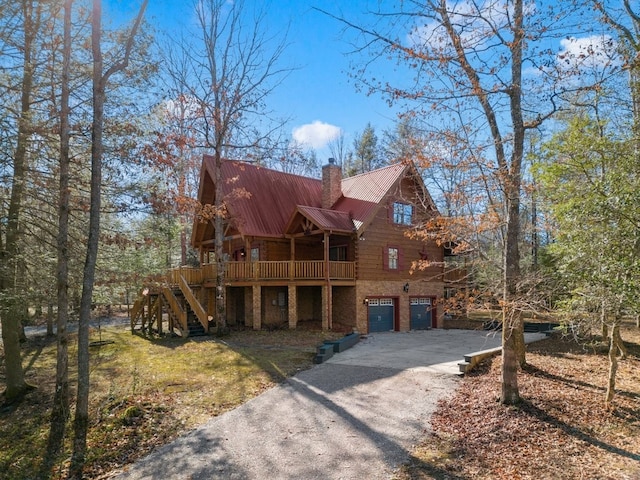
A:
[393,165]
[262,167]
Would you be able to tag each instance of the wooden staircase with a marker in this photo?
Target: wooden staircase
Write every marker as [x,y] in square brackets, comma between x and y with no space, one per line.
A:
[186,314]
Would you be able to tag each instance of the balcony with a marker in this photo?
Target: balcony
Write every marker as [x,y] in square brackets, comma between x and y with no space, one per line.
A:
[265,271]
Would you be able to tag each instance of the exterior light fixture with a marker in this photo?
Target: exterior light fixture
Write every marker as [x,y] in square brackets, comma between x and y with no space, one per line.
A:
[365,301]
[406,288]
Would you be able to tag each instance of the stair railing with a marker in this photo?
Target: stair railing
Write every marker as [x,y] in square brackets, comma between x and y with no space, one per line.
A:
[176,308]
[195,305]
[136,311]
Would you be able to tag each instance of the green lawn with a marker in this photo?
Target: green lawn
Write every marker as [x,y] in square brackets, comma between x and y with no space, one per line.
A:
[146,391]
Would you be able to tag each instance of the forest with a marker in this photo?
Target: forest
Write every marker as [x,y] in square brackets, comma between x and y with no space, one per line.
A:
[522,117]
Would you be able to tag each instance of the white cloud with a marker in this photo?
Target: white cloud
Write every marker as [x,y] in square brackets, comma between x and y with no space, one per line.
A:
[588,52]
[475,23]
[316,134]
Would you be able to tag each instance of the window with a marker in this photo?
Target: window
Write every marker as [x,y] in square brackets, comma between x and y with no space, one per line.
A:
[402,213]
[338,254]
[393,258]
[255,254]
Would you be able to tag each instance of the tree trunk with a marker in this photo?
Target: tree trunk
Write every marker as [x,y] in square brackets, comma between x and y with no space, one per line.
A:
[510,392]
[10,307]
[221,303]
[81,419]
[512,328]
[60,409]
[99,81]
[183,243]
[617,338]
[613,366]
[50,319]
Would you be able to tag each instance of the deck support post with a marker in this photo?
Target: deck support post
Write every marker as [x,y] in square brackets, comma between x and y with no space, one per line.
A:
[257,307]
[159,313]
[326,307]
[293,306]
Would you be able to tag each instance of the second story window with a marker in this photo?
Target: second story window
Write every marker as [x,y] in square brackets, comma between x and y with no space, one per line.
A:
[402,213]
[393,258]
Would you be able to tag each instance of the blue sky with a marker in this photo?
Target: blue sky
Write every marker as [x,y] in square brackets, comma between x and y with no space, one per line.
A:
[319,98]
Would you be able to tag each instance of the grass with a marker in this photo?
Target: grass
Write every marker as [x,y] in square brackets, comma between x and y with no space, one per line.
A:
[561,430]
[146,391]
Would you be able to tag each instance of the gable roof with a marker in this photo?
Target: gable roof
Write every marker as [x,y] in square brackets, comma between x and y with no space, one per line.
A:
[323,218]
[268,203]
[260,200]
[362,194]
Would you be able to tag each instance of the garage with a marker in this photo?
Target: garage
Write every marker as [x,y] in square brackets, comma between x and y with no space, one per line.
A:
[381,314]
[420,311]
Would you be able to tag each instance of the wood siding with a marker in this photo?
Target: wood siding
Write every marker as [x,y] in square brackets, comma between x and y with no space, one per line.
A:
[382,234]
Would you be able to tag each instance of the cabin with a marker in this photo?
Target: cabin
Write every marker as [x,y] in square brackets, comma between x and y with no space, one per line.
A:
[297,249]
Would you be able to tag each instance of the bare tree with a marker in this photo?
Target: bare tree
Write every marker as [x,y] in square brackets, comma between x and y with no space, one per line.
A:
[233,67]
[60,408]
[339,149]
[30,15]
[100,81]
[468,60]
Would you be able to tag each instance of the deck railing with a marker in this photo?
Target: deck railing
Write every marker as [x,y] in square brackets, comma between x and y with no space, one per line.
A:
[259,271]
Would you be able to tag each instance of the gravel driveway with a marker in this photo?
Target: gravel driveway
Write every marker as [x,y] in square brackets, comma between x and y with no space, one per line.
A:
[334,421]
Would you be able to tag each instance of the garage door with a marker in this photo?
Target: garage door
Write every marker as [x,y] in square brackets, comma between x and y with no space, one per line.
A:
[380,314]
[420,313]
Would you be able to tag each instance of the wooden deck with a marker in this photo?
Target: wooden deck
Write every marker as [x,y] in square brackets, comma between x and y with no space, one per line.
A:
[265,272]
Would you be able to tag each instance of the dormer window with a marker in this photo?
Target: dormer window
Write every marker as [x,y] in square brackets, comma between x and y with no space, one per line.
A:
[402,213]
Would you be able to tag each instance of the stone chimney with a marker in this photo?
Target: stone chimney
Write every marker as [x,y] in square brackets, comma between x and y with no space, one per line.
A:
[331,183]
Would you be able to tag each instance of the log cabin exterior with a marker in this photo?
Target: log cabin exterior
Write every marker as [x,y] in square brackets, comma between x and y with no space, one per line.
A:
[296,248]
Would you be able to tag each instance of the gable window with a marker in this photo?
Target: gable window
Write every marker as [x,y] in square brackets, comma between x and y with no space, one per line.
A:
[402,213]
[393,258]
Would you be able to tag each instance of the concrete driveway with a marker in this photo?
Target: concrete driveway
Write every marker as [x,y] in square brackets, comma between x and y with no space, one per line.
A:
[436,351]
[355,416]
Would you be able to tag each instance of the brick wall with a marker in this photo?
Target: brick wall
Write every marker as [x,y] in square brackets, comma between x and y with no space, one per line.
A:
[394,289]
[344,306]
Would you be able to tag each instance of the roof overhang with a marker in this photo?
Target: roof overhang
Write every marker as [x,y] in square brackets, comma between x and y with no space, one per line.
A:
[307,221]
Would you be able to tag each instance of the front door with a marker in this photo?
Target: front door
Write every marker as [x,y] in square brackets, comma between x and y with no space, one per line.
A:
[420,311]
[380,314]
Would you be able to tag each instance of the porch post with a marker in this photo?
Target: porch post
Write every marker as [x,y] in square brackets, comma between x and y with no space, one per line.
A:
[292,261]
[326,307]
[257,307]
[293,306]
[247,249]
[327,300]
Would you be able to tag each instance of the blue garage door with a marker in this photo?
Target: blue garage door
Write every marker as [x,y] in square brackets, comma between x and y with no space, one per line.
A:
[420,313]
[380,314]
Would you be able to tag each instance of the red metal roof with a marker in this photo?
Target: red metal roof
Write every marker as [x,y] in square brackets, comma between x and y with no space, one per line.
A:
[261,201]
[362,194]
[328,219]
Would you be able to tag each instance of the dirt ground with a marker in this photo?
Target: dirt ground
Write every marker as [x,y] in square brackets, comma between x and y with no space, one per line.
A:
[561,430]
